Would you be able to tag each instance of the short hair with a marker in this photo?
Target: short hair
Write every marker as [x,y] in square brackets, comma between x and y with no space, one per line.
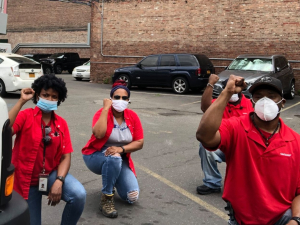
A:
[50,81]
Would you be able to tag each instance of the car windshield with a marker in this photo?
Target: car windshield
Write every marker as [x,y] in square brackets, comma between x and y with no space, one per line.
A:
[87,63]
[21,60]
[253,64]
[57,55]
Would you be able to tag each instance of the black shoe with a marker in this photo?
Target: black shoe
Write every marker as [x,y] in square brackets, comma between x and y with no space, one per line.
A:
[204,190]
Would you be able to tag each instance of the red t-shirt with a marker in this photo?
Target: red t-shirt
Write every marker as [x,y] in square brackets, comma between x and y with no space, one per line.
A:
[27,154]
[241,109]
[261,181]
[134,124]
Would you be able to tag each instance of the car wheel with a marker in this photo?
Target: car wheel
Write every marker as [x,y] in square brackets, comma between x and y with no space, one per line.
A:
[180,85]
[58,69]
[2,89]
[78,78]
[126,79]
[291,94]
[47,71]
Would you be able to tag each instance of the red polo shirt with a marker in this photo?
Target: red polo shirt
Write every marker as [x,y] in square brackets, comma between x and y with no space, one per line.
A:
[241,109]
[134,124]
[261,181]
[27,154]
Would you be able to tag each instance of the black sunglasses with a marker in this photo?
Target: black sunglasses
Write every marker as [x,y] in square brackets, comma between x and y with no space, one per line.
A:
[117,97]
[47,139]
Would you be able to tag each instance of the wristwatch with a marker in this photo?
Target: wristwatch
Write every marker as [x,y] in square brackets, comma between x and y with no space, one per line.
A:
[123,149]
[61,178]
[297,219]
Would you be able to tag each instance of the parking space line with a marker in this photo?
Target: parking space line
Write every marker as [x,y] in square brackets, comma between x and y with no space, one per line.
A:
[157,93]
[187,194]
[190,103]
[290,107]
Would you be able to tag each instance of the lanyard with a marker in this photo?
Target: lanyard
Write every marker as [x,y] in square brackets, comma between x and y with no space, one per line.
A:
[44,152]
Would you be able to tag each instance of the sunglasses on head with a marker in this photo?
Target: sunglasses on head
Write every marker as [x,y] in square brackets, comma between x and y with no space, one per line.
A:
[117,97]
[47,139]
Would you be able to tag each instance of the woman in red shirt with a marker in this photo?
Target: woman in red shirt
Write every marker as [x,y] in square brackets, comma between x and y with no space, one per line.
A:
[42,151]
[117,132]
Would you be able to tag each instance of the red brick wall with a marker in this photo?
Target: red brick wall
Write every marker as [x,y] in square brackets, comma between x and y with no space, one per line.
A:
[43,21]
[217,28]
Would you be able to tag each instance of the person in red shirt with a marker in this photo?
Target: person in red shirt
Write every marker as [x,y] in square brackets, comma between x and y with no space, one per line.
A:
[117,132]
[262,153]
[42,151]
[238,105]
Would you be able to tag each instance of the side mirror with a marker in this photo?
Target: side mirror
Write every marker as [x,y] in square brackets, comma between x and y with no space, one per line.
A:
[139,66]
[226,68]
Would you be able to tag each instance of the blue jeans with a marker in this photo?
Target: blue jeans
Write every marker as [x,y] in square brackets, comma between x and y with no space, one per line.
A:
[287,216]
[73,193]
[115,173]
[212,176]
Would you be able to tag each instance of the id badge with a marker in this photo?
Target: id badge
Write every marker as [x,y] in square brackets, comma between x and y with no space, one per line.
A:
[43,181]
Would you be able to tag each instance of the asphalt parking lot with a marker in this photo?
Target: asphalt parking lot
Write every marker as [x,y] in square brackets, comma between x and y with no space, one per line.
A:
[168,167]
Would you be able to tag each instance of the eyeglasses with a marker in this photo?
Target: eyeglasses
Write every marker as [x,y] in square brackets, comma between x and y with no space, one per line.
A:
[117,97]
[47,139]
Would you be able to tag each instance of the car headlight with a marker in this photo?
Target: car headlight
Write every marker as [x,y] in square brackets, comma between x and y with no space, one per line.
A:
[87,70]
[74,69]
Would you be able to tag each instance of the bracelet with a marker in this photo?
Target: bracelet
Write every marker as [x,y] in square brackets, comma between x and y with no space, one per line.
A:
[208,84]
[123,149]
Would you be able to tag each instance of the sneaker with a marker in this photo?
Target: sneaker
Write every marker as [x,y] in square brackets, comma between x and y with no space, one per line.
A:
[107,206]
[204,190]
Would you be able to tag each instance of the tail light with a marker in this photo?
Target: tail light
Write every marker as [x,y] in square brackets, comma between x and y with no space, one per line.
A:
[9,185]
[199,72]
[15,70]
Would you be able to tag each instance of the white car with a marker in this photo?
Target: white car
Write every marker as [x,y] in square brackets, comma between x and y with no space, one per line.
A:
[82,72]
[17,72]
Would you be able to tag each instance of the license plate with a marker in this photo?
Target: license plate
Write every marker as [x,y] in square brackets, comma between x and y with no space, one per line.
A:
[208,71]
[79,75]
[32,75]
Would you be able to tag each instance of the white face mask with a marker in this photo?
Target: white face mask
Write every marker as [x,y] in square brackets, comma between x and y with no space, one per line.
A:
[266,109]
[119,105]
[234,98]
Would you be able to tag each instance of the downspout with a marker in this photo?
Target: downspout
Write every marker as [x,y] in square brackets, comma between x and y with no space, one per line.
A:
[55,45]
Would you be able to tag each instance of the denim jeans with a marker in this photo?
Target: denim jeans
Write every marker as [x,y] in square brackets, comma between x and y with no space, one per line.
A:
[115,173]
[73,193]
[212,176]
[287,216]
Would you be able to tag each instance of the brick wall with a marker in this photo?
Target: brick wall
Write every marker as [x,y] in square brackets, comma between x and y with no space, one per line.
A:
[43,21]
[217,28]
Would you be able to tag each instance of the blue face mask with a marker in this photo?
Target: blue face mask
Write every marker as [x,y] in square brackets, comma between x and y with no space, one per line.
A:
[46,106]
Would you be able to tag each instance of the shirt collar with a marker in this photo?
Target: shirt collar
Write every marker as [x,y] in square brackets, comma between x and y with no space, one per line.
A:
[285,131]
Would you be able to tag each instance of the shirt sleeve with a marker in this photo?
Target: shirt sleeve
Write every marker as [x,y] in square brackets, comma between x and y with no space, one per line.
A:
[138,129]
[19,122]
[96,117]
[67,148]
[227,133]
[298,186]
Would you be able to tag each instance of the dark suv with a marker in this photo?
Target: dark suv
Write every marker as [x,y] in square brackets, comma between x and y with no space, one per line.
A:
[179,71]
[253,67]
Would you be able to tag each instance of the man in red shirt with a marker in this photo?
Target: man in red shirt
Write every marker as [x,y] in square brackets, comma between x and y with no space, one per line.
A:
[238,105]
[262,154]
